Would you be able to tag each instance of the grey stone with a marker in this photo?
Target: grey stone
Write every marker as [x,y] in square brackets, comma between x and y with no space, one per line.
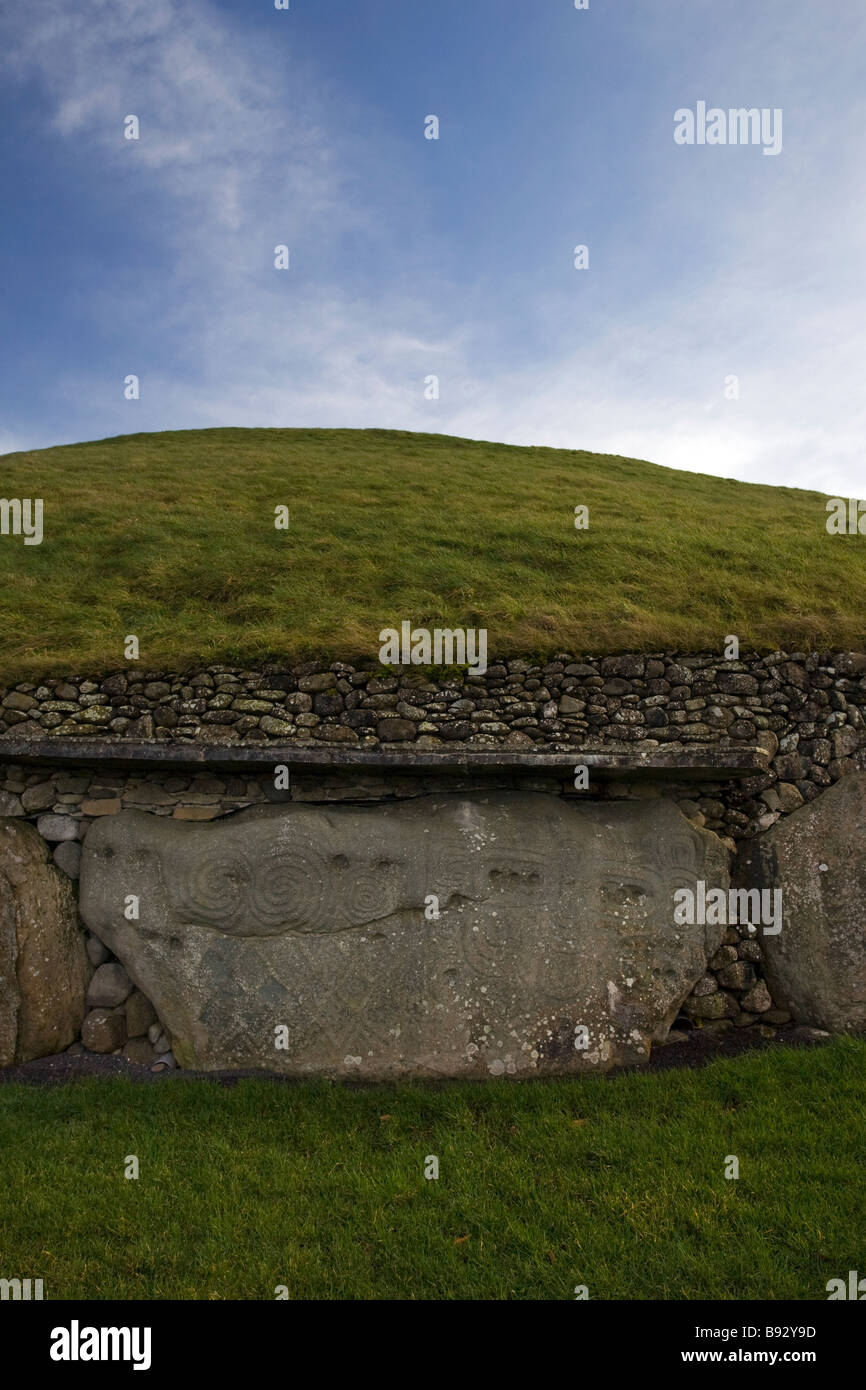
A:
[140,1051]
[95,715]
[725,955]
[276,728]
[790,766]
[631,664]
[788,796]
[339,733]
[816,965]
[43,966]
[109,986]
[323,680]
[554,917]
[845,740]
[758,1000]
[67,857]
[795,675]
[103,1031]
[15,700]
[414,712]
[395,730]
[97,953]
[749,950]
[676,674]
[140,1014]
[706,1006]
[738,975]
[57,828]
[568,705]
[327,703]
[38,798]
[736,683]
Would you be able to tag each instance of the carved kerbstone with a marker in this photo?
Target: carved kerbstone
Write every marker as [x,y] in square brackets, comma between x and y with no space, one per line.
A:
[316,928]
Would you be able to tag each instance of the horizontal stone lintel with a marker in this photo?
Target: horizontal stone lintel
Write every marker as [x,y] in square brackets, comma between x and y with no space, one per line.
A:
[700,764]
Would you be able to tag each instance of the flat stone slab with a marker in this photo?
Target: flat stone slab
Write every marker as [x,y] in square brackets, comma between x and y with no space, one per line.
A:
[502,933]
[707,763]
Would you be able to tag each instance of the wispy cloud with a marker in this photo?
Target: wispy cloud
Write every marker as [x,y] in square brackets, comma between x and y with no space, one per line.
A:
[244,146]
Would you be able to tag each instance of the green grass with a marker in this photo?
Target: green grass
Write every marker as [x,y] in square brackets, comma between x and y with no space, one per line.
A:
[613,1183]
[171,537]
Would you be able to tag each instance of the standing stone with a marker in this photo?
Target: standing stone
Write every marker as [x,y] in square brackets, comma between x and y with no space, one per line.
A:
[816,965]
[43,965]
[507,933]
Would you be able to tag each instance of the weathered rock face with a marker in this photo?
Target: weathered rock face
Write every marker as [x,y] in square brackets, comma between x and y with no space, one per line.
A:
[816,965]
[43,964]
[306,939]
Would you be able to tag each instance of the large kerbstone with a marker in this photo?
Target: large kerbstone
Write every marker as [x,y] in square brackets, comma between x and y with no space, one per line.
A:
[43,964]
[816,965]
[553,918]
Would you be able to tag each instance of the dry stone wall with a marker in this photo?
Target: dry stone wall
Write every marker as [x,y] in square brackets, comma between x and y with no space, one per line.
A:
[805,710]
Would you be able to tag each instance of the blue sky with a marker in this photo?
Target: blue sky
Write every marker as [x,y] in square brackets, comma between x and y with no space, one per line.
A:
[412,257]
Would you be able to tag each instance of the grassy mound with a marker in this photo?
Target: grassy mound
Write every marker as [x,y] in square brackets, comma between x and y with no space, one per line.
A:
[172,537]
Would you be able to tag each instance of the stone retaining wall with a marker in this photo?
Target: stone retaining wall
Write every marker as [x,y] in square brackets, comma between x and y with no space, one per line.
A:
[805,711]
[62,803]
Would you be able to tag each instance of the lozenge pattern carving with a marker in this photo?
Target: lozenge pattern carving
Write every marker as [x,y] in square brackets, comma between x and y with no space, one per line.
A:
[554,921]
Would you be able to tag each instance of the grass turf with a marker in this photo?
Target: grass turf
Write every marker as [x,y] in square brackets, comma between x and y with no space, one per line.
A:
[617,1184]
[171,537]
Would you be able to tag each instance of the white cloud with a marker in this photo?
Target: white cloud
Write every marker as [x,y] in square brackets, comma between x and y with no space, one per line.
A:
[242,148]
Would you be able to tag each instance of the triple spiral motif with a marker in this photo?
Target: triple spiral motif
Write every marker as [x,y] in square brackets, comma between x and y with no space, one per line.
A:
[254,891]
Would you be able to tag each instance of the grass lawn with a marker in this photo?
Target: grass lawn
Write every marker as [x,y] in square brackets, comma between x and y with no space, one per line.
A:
[171,537]
[617,1184]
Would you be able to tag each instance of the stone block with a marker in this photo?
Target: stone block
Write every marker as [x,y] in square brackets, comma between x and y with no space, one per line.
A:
[43,965]
[304,939]
[816,965]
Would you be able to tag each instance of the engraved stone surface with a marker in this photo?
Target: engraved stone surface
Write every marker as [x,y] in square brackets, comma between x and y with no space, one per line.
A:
[43,963]
[305,939]
[816,964]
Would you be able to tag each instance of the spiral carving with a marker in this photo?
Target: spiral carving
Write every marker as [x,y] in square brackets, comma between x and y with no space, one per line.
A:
[216,891]
[284,888]
[371,894]
[293,890]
